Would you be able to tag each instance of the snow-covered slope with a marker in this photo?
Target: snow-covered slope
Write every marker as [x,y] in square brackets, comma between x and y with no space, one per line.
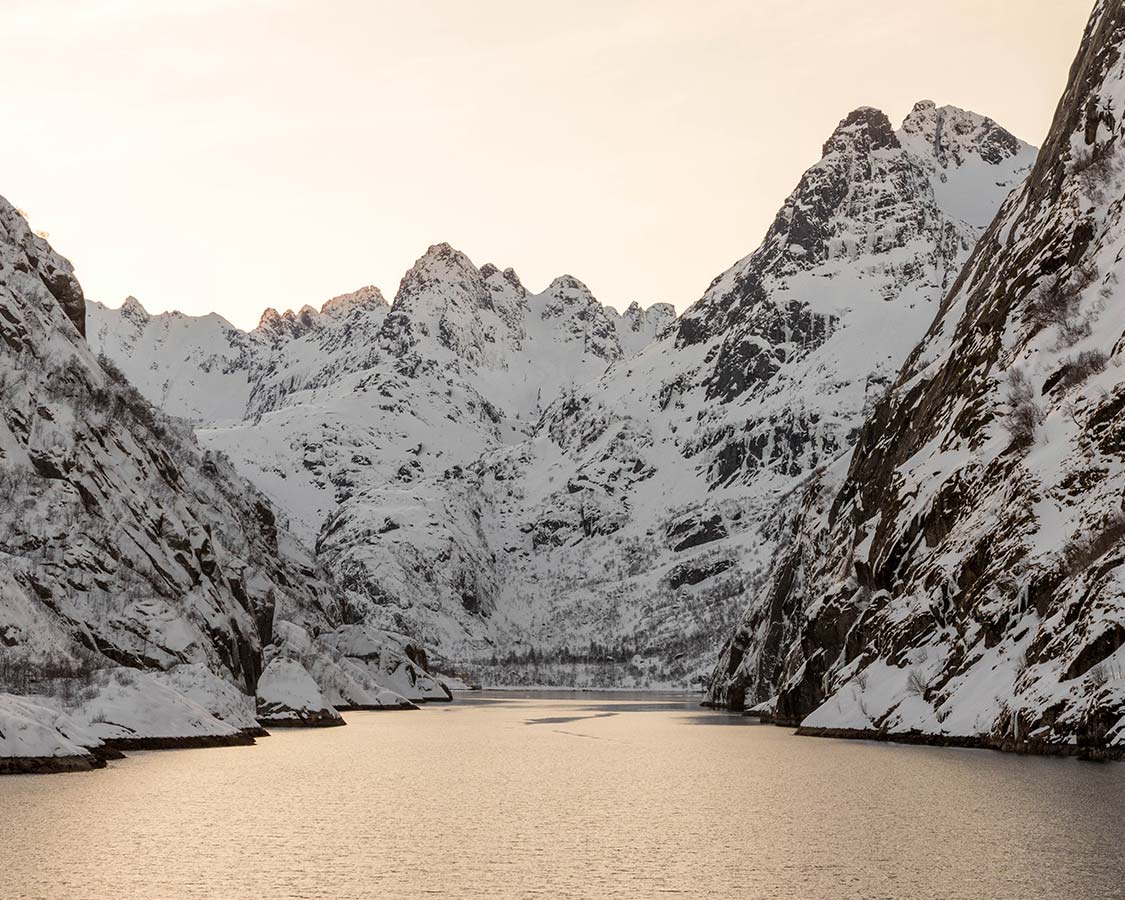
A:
[37,738]
[960,578]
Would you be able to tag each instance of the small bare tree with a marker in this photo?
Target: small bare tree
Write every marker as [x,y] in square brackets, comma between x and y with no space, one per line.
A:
[917,683]
[1024,414]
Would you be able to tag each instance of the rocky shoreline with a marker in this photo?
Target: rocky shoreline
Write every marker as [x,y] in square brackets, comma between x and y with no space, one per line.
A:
[967,742]
[307,722]
[49,765]
[374,707]
[116,748]
[244,738]
[927,739]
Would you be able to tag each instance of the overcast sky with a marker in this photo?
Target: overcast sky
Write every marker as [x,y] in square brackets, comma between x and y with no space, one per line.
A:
[228,155]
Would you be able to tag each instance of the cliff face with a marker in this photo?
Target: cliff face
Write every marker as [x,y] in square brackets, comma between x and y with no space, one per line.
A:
[118,534]
[961,577]
[147,592]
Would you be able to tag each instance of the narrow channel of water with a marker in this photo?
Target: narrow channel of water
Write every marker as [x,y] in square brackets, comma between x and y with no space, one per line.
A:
[545,795]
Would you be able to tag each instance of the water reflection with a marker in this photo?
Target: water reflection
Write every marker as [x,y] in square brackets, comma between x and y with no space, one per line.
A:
[560,720]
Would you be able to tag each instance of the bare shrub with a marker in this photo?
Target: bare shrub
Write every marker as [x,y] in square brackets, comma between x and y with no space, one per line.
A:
[112,369]
[15,671]
[1052,303]
[122,399]
[916,683]
[1024,414]
[1083,366]
[1057,302]
[60,383]
[10,385]
[14,482]
[1082,552]
[1096,172]
[57,674]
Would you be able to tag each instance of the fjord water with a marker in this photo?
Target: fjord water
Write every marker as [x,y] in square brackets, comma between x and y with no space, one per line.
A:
[585,796]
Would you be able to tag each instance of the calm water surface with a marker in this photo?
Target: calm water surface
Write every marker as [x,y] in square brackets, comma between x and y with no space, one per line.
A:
[565,796]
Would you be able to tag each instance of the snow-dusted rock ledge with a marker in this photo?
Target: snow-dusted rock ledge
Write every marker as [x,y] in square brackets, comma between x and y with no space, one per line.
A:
[136,710]
[289,697]
[36,739]
[80,725]
[1029,747]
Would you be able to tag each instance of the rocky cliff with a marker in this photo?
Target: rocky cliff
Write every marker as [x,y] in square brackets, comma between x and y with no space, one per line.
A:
[958,578]
[144,585]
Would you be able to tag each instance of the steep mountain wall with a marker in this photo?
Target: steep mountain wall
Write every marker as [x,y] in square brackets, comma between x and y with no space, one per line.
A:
[960,579]
[119,535]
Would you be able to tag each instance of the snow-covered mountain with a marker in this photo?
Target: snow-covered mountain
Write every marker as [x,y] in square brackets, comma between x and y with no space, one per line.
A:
[645,505]
[512,477]
[409,442]
[348,417]
[145,588]
[959,577]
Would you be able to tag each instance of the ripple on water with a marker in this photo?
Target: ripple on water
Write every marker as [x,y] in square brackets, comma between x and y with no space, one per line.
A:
[565,796]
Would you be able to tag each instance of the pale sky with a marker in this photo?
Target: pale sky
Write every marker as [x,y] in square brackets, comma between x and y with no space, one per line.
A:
[228,155]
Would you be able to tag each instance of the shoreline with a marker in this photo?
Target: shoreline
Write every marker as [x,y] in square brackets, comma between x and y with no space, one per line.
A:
[117,748]
[54,765]
[544,689]
[244,738]
[927,739]
[955,741]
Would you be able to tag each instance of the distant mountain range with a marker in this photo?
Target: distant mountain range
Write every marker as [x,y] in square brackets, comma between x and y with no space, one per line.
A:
[539,489]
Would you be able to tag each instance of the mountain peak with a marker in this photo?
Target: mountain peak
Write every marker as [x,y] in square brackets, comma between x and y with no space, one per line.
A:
[133,310]
[441,263]
[443,254]
[367,297]
[865,128]
[952,135]
[568,284]
[492,274]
